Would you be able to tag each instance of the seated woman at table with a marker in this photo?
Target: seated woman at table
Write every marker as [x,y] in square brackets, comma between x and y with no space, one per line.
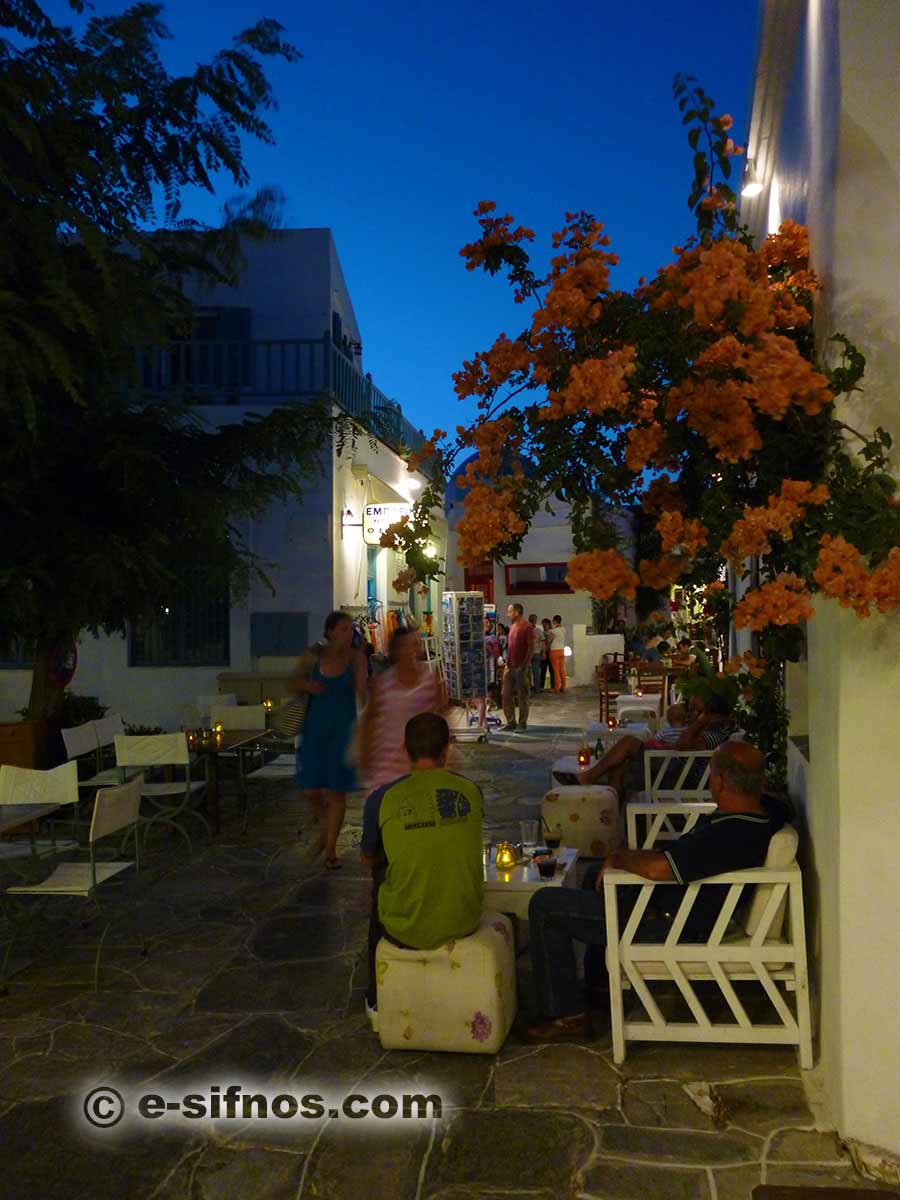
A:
[711,727]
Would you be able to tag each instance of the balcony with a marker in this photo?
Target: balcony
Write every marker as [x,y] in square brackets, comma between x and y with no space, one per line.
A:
[274,372]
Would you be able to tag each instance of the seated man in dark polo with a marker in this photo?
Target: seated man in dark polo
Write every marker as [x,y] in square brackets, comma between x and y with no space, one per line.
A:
[733,838]
[422,836]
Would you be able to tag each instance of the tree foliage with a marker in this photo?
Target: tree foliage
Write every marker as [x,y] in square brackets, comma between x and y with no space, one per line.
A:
[698,397]
[112,499]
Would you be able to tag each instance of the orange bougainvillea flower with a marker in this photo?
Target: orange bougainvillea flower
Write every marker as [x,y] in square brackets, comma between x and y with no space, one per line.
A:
[428,450]
[603,573]
[884,583]
[746,662]
[663,572]
[685,535]
[784,600]
[489,519]
[841,573]
[595,386]
[789,246]
[644,444]
[713,589]
[404,580]
[662,494]
[496,232]
[750,533]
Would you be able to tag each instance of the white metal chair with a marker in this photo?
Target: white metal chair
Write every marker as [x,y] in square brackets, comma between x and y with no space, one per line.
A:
[238,716]
[115,809]
[172,800]
[767,945]
[281,769]
[45,792]
[205,704]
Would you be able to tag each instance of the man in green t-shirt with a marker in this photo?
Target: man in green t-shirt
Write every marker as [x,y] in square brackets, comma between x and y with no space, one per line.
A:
[422,835]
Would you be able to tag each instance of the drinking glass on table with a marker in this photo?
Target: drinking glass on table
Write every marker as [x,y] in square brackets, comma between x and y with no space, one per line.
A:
[529,833]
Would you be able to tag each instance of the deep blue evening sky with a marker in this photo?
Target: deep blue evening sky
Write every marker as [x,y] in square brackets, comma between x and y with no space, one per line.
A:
[400,117]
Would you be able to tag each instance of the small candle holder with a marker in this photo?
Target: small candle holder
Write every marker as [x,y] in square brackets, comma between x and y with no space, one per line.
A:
[612,722]
[584,756]
[506,856]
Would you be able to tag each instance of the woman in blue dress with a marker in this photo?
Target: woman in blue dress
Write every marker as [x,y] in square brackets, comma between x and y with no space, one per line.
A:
[334,676]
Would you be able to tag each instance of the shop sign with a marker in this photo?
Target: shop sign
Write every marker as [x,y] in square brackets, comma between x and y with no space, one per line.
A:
[377,518]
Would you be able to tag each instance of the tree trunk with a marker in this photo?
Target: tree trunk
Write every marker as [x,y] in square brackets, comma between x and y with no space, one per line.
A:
[45,700]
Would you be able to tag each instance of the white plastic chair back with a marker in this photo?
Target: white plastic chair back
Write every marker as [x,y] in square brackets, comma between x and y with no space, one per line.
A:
[21,785]
[152,750]
[244,716]
[81,739]
[116,808]
[781,855]
[108,728]
[207,703]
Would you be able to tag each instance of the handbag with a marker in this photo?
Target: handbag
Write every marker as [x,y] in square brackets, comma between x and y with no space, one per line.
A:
[288,720]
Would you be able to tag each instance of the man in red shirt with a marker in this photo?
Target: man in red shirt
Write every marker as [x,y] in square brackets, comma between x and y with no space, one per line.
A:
[517,677]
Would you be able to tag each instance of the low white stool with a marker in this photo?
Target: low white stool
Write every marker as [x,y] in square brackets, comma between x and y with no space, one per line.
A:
[586,817]
[460,997]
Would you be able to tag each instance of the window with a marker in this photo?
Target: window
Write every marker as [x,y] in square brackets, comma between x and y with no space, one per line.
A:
[480,578]
[534,579]
[191,631]
[15,654]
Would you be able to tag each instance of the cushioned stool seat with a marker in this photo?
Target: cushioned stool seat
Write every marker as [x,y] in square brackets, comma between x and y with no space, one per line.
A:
[461,996]
[587,818]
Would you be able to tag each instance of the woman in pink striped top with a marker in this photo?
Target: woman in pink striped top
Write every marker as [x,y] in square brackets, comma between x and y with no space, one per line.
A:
[404,690]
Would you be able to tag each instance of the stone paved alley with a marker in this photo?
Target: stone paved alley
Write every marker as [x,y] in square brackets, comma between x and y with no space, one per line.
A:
[247,963]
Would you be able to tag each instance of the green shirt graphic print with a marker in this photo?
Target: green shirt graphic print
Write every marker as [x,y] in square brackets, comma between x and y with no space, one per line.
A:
[430,824]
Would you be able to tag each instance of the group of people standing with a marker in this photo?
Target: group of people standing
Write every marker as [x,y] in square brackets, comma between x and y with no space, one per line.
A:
[337,749]
[531,650]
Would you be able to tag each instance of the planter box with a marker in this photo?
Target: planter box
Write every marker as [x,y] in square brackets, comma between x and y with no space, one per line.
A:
[24,744]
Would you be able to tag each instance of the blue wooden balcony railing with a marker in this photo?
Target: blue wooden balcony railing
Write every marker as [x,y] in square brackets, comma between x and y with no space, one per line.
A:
[275,372]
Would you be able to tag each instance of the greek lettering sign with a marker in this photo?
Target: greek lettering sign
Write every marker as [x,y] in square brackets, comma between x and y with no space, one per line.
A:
[377,517]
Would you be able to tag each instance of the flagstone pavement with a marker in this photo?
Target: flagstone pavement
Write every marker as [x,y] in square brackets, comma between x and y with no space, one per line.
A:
[246,962]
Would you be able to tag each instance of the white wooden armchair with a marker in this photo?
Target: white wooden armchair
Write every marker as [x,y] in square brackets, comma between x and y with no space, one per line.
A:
[765,943]
[676,774]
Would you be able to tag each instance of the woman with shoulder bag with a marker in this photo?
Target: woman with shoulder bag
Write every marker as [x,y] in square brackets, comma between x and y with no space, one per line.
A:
[335,683]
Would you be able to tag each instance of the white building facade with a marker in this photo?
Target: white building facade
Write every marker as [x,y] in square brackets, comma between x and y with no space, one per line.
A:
[286,333]
[825,142]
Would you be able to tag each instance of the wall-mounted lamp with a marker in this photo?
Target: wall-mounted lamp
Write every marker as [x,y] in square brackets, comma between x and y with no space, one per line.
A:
[752,185]
[431,550]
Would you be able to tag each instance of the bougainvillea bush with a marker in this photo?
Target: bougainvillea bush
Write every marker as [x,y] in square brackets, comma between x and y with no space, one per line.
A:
[698,396]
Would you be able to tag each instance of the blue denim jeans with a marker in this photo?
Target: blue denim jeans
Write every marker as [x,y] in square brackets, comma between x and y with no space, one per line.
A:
[559,916]
[536,681]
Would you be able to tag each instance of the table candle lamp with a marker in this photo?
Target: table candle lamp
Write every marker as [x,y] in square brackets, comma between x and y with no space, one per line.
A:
[506,856]
[268,705]
[584,755]
[217,728]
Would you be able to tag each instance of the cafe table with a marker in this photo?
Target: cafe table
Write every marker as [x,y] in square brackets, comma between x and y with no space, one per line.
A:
[229,741]
[651,701]
[509,889]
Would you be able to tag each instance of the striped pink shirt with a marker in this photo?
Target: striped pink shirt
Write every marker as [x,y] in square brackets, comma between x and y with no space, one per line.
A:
[396,705]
